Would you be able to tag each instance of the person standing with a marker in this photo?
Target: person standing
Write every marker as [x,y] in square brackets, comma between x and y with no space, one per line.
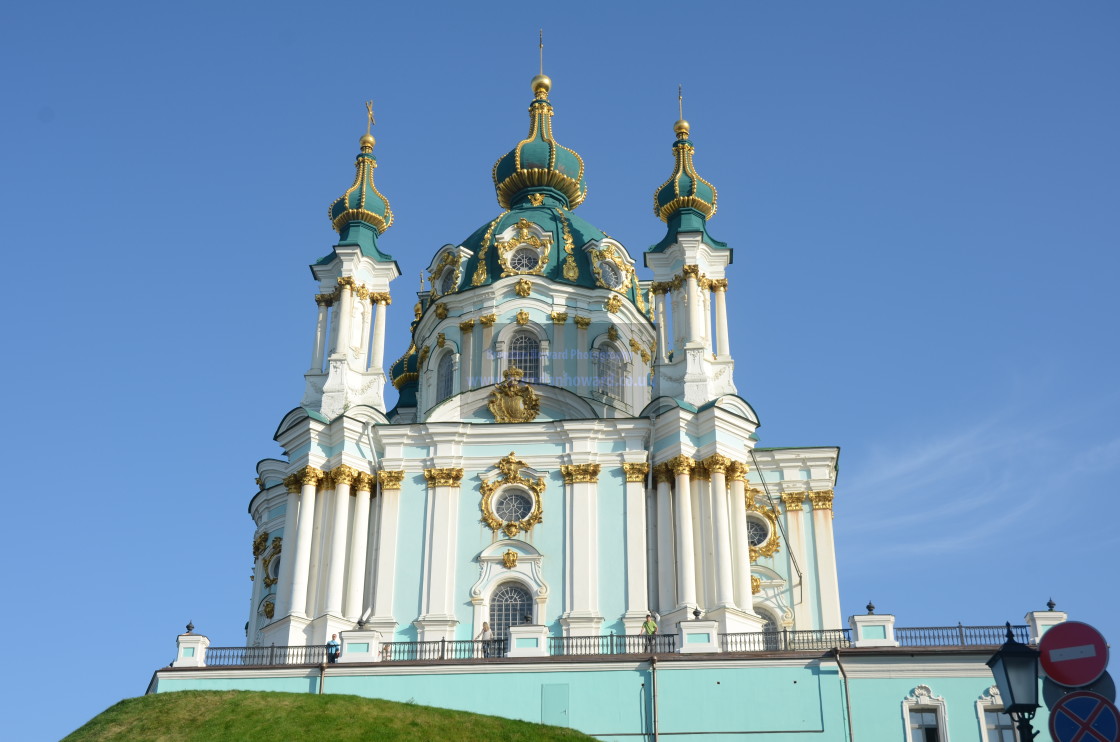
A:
[334,648]
[486,636]
[649,630]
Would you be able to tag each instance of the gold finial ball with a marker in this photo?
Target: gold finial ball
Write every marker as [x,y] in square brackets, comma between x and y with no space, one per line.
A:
[367,140]
[681,128]
[541,82]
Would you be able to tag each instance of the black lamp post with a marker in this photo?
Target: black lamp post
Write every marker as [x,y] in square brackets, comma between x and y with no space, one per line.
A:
[1015,668]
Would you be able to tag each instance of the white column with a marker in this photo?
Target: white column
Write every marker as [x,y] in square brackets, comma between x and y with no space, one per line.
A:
[320,334]
[692,300]
[386,570]
[287,563]
[309,480]
[740,540]
[487,367]
[705,313]
[686,555]
[825,550]
[466,354]
[381,306]
[680,320]
[636,587]
[355,584]
[437,619]
[700,535]
[721,528]
[367,319]
[582,351]
[582,617]
[343,313]
[662,334]
[560,350]
[342,477]
[665,562]
[720,289]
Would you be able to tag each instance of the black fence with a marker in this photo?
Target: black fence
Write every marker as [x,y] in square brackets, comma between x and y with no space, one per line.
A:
[773,641]
[958,636]
[233,656]
[566,646]
[443,649]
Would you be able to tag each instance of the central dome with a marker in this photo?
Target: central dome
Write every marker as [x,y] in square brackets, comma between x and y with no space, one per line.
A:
[538,164]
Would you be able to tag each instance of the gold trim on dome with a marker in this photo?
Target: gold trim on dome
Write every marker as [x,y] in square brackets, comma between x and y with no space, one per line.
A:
[404,379]
[390,480]
[523,287]
[580,473]
[536,199]
[480,274]
[445,477]
[539,111]
[450,261]
[682,154]
[512,400]
[364,167]
[571,269]
[635,472]
[522,317]
[509,475]
[524,237]
[614,255]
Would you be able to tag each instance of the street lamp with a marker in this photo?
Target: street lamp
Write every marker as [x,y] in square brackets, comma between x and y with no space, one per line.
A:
[1015,668]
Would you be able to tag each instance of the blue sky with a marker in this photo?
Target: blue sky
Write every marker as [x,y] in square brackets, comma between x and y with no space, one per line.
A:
[922,198]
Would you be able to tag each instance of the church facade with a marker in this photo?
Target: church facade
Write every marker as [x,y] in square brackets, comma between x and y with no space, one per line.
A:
[567,456]
[568,448]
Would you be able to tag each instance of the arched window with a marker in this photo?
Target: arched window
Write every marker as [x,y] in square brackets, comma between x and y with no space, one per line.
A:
[771,639]
[525,354]
[608,371]
[447,281]
[510,605]
[445,373]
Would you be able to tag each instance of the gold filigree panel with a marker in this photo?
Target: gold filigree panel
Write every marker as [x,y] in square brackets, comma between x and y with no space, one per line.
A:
[509,475]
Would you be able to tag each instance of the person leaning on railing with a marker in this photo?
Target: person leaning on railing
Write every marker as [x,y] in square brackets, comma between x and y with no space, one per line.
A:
[486,636]
[649,630]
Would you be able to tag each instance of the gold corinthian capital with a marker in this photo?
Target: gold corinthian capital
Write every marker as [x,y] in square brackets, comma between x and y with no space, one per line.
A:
[574,473]
[636,472]
[449,477]
[390,480]
[681,464]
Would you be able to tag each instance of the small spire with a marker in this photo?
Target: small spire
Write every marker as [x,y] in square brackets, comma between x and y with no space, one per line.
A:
[681,127]
[541,83]
[368,141]
[870,608]
[541,45]
[362,201]
[1051,605]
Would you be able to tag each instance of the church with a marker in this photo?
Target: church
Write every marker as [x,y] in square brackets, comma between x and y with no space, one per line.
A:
[567,458]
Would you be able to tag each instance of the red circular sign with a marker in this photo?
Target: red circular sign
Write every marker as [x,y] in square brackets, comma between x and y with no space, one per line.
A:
[1073,654]
[1084,717]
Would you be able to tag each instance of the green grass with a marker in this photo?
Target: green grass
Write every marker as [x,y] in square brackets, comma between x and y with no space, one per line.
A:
[237,716]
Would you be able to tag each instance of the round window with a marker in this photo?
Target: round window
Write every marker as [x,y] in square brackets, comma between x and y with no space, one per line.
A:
[757,532]
[612,276]
[524,259]
[513,506]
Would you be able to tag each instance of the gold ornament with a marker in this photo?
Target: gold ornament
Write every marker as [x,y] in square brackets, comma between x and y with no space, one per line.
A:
[441,311]
[390,480]
[523,287]
[756,584]
[612,333]
[613,303]
[583,322]
[259,543]
[466,326]
[636,472]
[509,559]
[717,463]
[269,609]
[509,473]
[344,474]
[522,317]
[512,400]
[577,473]
[821,500]
[449,477]
[559,318]
[440,340]
[488,320]
[793,500]
[681,464]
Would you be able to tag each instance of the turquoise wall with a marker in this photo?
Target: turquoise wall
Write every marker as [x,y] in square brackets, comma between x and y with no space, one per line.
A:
[775,701]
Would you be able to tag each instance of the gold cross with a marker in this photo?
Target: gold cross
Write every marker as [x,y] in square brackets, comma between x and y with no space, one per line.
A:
[680,101]
[369,115]
[541,44]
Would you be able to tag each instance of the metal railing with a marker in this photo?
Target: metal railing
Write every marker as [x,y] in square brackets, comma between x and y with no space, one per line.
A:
[566,646]
[774,641]
[958,636]
[443,649]
[315,654]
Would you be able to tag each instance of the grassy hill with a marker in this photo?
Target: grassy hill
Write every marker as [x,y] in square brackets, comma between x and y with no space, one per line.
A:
[248,716]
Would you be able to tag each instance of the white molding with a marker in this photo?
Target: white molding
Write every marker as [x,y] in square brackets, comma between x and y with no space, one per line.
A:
[921,697]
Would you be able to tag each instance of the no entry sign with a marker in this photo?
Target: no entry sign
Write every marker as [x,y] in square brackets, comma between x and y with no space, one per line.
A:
[1084,717]
[1073,654]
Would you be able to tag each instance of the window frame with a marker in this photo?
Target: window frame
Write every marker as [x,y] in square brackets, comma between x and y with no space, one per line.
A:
[921,699]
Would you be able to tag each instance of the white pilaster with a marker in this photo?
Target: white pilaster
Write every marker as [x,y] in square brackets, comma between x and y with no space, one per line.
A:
[686,553]
[368,309]
[288,563]
[582,617]
[380,306]
[359,533]
[825,550]
[720,288]
[466,355]
[386,568]
[345,311]
[438,618]
[721,528]
[692,300]
[794,503]
[488,363]
[320,335]
[582,351]
[636,587]
[662,336]
[740,543]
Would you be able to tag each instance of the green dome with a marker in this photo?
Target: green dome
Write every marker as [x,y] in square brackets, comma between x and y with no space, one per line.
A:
[362,202]
[684,189]
[538,162]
